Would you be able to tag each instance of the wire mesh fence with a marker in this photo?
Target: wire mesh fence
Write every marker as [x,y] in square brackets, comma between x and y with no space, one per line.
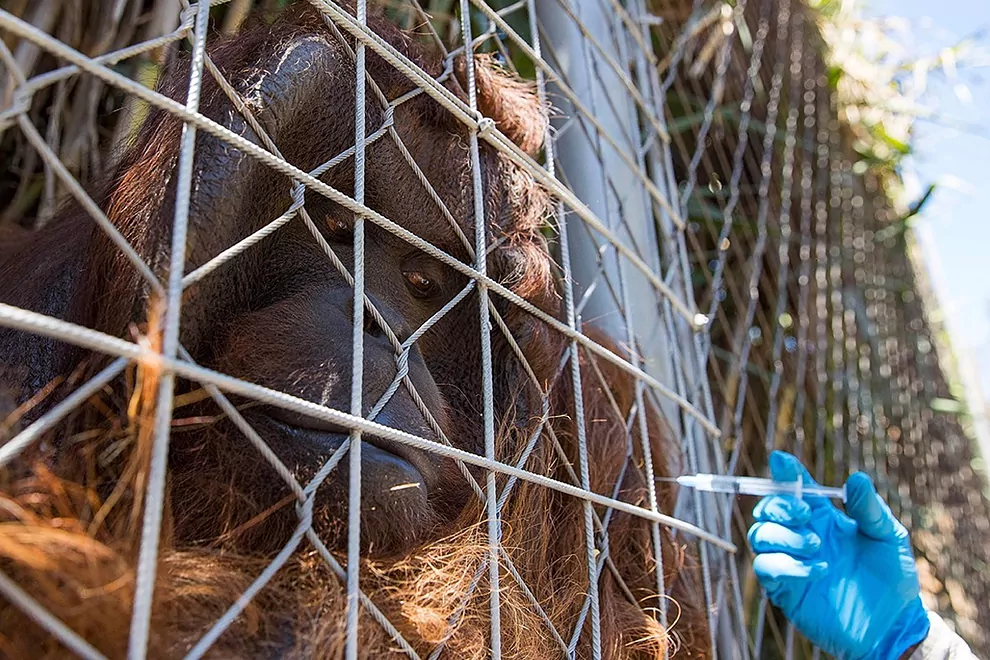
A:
[336,341]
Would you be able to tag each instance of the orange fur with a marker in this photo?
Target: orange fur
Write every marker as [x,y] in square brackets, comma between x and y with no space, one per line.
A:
[71,508]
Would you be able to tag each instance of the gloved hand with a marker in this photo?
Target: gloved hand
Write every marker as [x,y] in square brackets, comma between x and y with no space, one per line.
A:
[848,580]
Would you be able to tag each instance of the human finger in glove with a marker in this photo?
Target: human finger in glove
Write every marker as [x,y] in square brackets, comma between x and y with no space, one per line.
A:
[846,580]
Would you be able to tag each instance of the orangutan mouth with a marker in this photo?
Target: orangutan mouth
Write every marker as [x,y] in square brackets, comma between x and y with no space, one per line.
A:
[403,464]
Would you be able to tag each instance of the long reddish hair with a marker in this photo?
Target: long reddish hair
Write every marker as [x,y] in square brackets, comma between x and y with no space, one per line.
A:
[71,508]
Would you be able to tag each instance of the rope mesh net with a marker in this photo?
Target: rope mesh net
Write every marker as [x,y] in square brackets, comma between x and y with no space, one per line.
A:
[713,244]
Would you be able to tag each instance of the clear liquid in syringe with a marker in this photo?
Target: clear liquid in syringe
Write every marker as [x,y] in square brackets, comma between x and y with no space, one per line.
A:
[719,483]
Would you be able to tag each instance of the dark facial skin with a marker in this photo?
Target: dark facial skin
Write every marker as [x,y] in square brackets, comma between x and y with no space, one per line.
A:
[296,337]
[280,315]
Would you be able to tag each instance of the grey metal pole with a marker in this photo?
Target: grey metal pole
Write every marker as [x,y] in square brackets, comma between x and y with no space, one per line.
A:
[604,179]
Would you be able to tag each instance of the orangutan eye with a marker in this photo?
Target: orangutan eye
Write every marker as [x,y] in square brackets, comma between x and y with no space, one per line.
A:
[340,231]
[419,283]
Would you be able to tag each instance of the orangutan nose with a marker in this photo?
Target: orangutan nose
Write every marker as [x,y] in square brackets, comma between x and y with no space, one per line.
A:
[344,301]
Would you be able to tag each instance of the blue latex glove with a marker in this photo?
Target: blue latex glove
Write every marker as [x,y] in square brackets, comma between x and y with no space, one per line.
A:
[848,580]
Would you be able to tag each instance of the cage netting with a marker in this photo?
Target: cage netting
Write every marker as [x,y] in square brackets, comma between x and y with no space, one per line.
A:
[718,235]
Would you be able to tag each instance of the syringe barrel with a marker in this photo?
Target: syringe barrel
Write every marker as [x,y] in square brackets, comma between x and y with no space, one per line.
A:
[757,486]
[751,485]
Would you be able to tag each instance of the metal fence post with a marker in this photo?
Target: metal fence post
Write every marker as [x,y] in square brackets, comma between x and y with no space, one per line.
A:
[603,180]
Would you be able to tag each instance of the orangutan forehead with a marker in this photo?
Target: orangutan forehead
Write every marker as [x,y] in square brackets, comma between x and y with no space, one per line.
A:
[515,207]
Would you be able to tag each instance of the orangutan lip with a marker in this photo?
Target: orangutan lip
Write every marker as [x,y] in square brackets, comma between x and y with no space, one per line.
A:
[299,421]
[303,423]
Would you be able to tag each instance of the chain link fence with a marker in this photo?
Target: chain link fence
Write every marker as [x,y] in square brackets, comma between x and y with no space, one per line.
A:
[658,256]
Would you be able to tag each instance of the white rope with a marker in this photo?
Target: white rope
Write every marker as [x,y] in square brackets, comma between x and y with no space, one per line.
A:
[13,447]
[584,114]
[301,495]
[225,621]
[693,398]
[756,261]
[23,29]
[357,354]
[471,119]
[84,200]
[187,19]
[20,319]
[703,340]
[655,123]
[21,101]
[47,620]
[147,564]
[624,48]
[298,200]
[487,386]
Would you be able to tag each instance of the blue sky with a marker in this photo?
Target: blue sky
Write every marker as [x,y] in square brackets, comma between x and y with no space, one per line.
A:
[955,228]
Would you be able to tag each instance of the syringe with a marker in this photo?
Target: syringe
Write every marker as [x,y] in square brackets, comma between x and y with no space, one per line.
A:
[718,483]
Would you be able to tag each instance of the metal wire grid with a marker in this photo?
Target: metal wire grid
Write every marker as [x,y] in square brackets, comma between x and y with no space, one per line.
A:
[670,291]
[819,341]
[800,344]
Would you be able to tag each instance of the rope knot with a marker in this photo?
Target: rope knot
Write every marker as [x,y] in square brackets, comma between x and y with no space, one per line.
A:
[298,194]
[389,119]
[448,67]
[187,17]
[402,364]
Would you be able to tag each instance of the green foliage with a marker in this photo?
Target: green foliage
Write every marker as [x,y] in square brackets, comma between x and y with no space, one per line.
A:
[879,85]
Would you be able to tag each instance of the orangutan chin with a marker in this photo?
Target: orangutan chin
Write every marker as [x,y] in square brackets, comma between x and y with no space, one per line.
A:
[280,316]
